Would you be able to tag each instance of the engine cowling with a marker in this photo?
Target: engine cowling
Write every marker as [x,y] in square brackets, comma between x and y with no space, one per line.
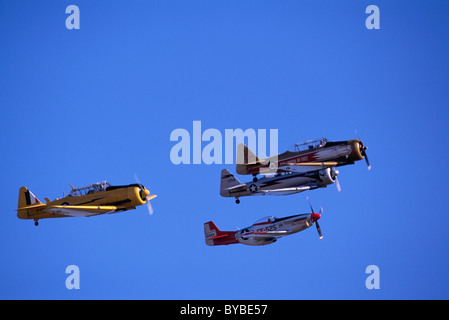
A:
[328,175]
[357,150]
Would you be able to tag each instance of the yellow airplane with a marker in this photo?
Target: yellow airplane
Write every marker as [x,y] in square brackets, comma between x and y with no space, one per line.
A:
[91,200]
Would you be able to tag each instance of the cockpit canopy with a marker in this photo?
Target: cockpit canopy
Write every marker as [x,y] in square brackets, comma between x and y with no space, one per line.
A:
[269,219]
[307,145]
[96,187]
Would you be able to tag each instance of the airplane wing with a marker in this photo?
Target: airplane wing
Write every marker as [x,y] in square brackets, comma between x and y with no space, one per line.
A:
[284,191]
[306,166]
[260,235]
[80,211]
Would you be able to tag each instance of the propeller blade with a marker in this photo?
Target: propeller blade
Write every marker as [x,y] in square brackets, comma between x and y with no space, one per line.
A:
[149,207]
[367,161]
[319,229]
[364,150]
[337,183]
[310,204]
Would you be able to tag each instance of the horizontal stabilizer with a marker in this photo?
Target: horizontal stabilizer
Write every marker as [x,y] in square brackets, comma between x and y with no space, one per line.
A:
[34,206]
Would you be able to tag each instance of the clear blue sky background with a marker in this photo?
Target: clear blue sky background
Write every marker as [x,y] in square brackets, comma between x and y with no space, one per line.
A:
[99,103]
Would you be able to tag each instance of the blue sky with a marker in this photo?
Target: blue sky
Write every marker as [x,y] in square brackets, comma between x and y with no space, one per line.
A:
[99,103]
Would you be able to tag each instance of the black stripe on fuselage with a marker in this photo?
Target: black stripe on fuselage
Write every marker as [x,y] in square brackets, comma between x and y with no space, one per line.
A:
[124,186]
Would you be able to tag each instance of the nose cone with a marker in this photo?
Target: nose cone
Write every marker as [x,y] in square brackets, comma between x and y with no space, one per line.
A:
[144,194]
[315,216]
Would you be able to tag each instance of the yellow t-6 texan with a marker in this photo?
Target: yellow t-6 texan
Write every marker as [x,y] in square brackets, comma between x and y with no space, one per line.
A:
[91,200]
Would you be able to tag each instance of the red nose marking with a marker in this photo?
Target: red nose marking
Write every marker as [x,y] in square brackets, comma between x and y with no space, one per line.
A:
[315,216]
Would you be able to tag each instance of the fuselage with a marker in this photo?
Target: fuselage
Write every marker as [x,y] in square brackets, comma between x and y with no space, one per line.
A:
[313,179]
[122,197]
[282,226]
[264,231]
[342,152]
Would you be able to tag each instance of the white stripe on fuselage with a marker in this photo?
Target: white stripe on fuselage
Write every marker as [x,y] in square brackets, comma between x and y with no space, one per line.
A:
[319,155]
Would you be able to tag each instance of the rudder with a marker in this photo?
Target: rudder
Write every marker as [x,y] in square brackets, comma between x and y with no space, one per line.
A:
[244,157]
[215,237]
[26,198]
[227,181]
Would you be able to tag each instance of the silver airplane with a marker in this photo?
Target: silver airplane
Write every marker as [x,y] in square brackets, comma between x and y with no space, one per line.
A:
[264,231]
[278,184]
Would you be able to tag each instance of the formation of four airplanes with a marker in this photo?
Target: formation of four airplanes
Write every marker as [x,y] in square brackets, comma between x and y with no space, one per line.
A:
[304,166]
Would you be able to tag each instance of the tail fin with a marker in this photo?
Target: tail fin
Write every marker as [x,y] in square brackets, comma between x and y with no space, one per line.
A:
[244,157]
[215,237]
[27,198]
[227,181]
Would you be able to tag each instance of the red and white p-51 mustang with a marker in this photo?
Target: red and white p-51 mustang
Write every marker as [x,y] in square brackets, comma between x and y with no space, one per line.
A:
[264,231]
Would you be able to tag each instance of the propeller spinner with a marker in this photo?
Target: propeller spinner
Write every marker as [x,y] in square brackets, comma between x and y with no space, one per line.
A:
[315,217]
[145,195]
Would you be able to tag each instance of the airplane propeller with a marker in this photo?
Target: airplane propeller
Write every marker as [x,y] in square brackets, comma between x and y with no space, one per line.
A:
[316,217]
[145,194]
[334,174]
[363,150]
[366,156]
